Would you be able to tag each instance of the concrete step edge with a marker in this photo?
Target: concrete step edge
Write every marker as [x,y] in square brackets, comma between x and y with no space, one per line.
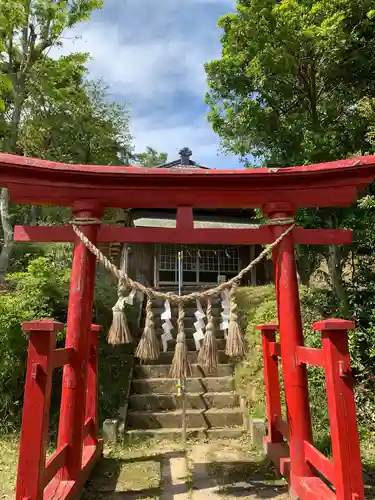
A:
[192,364]
[158,379]
[188,411]
[145,395]
[192,430]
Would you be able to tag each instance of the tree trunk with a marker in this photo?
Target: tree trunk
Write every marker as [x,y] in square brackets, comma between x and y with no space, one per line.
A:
[11,147]
[8,234]
[304,272]
[11,143]
[335,271]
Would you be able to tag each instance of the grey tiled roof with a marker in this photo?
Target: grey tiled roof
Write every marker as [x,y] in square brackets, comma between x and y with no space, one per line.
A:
[177,164]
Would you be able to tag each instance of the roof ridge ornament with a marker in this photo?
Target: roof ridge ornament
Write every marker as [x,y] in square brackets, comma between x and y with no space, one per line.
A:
[185,154]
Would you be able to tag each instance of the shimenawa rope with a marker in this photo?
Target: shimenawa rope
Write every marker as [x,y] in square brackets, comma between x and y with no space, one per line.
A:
[149,348]
[178,299]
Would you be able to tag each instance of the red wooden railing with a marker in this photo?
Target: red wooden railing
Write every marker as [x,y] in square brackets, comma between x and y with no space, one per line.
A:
[343,471]
[39,478]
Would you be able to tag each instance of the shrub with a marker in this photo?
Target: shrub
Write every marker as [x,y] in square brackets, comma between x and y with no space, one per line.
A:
[40,291]
[257,306]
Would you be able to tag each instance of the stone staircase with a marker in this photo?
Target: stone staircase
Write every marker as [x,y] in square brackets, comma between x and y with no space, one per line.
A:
[213,407]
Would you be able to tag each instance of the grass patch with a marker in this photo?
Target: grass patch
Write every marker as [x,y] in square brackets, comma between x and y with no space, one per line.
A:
[256,305]
[124,467]
[132,467]
[8,466]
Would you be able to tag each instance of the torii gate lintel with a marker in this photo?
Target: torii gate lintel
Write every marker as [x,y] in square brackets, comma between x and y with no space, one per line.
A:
[184,232]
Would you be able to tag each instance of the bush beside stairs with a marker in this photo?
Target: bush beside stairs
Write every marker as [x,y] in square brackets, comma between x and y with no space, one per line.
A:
[213,407]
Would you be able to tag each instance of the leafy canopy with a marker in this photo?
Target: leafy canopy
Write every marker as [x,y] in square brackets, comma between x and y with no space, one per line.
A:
[29,29]
[287,86]
[76,123]
[151,158]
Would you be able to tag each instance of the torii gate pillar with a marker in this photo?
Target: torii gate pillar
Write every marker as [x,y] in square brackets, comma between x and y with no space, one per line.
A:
[291,336]
[73,398]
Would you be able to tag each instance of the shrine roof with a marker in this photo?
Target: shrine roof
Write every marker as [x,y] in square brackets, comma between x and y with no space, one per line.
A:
[36,181]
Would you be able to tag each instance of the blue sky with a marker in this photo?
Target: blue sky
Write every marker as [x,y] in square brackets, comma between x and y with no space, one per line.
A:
[151,54]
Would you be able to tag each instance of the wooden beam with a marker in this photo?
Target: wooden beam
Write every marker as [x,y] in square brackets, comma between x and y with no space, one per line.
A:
[185,218]
[310,356]
[54,463]
[212,236]
[323,464]
[62,356]
[282,426]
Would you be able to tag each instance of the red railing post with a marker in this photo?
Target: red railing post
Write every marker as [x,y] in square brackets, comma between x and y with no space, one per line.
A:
[91,413]
[74,388]
[36,405]
[271,381]
[341,408]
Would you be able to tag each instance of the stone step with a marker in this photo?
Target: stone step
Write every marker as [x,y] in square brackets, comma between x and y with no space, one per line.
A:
[191,344]
[173,434]
[194,401]
[162,371]
[227,417]
[168,385]
[165,358]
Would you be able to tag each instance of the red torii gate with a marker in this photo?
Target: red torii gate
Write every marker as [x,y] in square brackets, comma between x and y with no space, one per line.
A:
[90,189]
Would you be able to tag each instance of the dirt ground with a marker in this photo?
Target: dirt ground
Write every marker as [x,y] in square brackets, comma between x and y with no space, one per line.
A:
[155,470]
[216,470]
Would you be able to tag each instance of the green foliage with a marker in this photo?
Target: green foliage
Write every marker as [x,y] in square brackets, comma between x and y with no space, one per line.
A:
[257,306]
[114,378]
[76,123]
[28,30]
[40,291]
[151,158]
[292,87]
[287,87]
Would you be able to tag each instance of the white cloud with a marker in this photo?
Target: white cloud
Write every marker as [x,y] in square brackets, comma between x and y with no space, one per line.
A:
[150,53]
[142,69]
[198,136]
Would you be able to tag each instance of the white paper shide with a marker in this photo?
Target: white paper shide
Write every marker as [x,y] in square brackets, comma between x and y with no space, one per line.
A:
[225,305]
[199,325]
[167,325]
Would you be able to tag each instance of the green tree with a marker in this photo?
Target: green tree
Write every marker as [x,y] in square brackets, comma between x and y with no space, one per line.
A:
[289,90]
[151,158]
[28,31]
[79,125]
[287,86]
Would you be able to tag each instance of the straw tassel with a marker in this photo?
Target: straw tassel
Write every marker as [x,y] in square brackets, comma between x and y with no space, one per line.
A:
[148,348]
[180,368]
[235,346]
[208,356]
[119,332]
